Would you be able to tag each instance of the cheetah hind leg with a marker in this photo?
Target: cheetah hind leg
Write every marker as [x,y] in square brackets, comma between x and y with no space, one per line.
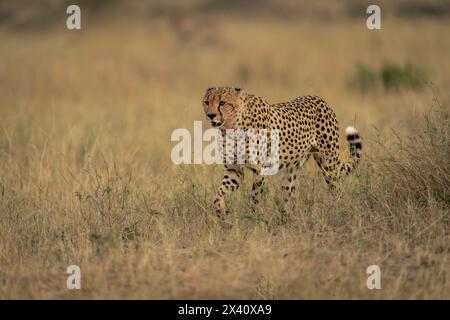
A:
[329,173]
[257,190]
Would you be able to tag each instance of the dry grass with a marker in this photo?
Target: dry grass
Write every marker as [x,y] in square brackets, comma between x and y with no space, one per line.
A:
[86,176]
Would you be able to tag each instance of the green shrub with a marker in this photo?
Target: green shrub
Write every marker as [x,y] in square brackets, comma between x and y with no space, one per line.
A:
[394,76]
[390,76]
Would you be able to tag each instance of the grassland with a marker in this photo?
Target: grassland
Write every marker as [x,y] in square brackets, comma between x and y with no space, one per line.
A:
[86,176]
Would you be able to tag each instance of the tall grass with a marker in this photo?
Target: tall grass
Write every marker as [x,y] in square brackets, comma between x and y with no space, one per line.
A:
[418,165]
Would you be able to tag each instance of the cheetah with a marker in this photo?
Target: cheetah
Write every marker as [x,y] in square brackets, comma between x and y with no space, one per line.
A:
[307,126]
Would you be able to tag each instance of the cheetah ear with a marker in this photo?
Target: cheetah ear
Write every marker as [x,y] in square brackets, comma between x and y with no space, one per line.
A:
[238,89]
[209,89]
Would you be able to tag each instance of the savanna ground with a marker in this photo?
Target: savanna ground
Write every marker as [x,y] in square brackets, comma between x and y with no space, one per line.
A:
[86,176]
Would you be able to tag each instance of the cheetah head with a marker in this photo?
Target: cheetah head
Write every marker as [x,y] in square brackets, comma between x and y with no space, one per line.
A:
[221,105]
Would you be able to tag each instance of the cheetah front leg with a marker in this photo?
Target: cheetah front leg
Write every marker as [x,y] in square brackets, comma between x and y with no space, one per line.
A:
[230,183]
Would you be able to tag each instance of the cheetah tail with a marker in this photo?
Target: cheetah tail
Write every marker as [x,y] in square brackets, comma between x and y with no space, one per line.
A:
[354,141]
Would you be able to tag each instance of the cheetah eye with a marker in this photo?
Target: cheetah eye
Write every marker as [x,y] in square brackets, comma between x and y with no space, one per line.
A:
[206,103]
[221,103]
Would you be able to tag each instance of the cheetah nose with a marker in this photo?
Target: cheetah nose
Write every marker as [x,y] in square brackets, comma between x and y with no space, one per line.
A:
[211,115]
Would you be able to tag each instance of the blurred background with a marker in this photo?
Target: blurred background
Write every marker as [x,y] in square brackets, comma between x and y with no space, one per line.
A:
[141,50]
